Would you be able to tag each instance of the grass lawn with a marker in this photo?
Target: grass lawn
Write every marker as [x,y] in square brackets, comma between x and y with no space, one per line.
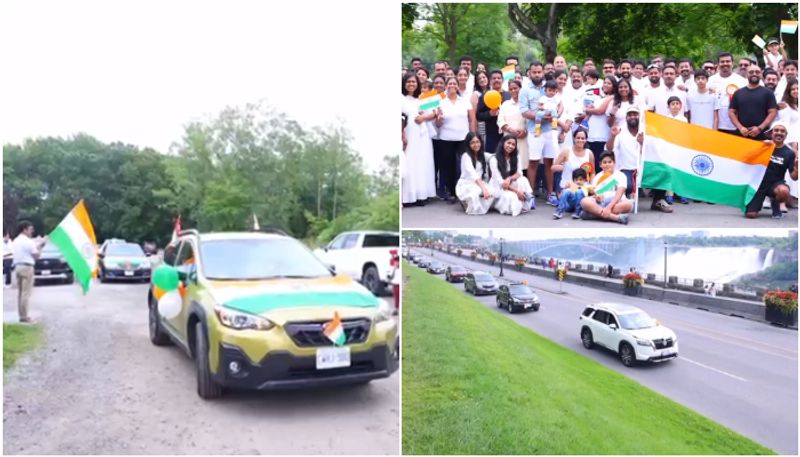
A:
[18,339]
[476,382]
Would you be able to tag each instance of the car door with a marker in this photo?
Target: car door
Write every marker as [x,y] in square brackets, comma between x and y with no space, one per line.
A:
[600,328]
[614,336]
[469,279]
[503,295]
[186,264]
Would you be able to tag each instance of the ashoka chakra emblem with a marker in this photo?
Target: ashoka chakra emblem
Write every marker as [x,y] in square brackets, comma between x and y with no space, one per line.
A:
[702,164]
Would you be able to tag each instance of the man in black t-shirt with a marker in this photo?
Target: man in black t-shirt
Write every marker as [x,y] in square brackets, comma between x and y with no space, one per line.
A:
[773,185]
[753,108]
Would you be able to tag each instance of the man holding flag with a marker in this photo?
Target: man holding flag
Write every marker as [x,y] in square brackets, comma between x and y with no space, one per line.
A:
[783,159]
[25,253]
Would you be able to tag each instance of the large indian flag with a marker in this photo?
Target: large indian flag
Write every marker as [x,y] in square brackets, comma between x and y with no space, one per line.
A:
[75,238]
[702,164]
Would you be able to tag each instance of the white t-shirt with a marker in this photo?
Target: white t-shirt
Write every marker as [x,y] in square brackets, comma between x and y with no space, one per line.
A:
[23,249]
[688,84]
[724,89]
[679,117]
[456,119]
[617,180]
[657,98]
[549,103]
[626,150]
[598,126]
[702,107]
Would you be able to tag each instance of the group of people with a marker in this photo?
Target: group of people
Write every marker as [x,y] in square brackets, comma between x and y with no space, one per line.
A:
[578,135]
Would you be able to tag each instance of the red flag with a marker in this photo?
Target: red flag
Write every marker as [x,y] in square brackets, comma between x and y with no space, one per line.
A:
[177,229]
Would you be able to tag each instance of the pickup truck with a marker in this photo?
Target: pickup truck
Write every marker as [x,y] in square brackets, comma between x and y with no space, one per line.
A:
[363,255]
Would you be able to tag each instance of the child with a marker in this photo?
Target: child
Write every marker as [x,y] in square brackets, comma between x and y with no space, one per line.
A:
[606,199]
[548,103]
[772,57]
[676,109]
[572,195]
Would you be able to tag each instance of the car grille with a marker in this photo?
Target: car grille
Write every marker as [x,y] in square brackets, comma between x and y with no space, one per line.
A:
[309,334]
[663,343]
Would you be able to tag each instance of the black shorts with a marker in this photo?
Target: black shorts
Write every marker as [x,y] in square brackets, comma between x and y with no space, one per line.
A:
[763,192]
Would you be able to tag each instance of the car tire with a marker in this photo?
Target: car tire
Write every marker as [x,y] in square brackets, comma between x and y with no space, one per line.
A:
[70,279]
[499,305]
[587,338]
[207,389]
[536,307]
[103,276]
[157,335]
[371,280]
[627,354]
[510,307]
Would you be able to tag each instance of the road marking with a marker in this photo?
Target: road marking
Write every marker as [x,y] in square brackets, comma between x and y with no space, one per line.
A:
[713,369]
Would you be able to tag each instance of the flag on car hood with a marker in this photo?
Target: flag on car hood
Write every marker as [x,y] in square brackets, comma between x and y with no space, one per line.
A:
[74,237]
[700,163]
[335,331]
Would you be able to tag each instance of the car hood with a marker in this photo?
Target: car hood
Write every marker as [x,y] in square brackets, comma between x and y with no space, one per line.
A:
[283,300]
[51,255]
[653,333]
[134,261]
[486,283]
[526,297]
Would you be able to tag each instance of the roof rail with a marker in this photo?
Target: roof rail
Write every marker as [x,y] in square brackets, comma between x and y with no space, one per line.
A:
[189,232]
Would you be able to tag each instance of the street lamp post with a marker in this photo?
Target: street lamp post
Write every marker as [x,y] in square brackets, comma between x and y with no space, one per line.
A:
[501,257]
[666,245]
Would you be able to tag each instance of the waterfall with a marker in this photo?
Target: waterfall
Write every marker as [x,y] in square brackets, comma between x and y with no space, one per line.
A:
[768,259]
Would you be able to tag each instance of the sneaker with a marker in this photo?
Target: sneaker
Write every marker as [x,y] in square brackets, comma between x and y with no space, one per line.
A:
[558,214]
[576,215]
[532,201]
[623,219]
[684,200]
[778,216]
[661,205]
[552,200]
[669,199]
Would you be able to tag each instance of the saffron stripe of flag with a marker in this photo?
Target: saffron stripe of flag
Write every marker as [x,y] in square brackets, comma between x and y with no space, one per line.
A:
[335,331]
[788,27]
[75,238]
[702,164]
[429,100]
[508,72]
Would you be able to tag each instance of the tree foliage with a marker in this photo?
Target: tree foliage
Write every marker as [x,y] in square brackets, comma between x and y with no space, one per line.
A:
[244,161]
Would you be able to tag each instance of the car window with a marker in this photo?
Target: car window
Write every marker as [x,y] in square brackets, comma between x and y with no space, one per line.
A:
[124,249]
[612,320]
[520,290]
[600,316]
[186,255]
[337,242]
[248,259]
[381,241]
[170,252]
[636,320]
[587,311]
[486,278]
[351,241]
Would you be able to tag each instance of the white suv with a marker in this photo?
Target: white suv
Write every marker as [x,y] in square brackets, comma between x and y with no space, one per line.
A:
[628,331]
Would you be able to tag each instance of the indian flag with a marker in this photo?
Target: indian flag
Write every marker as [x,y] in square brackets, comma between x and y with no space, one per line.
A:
[429,100]
[75,238]
[335,331]
[703,164]
[603,187]
[788,27]
[508,72]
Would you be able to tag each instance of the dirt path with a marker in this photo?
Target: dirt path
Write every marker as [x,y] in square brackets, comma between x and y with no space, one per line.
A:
[98,386]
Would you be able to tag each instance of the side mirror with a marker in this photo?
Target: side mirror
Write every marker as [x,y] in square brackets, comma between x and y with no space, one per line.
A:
[613,326]
[332,268]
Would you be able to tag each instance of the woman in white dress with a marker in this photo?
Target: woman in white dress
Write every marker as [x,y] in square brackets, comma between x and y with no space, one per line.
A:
[419,182]
[472,188]
[511,122]
[512,191]
[788,113]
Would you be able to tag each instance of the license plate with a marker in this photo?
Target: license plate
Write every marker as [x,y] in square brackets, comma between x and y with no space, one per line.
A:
[128,273]
[333,358]
[45,272]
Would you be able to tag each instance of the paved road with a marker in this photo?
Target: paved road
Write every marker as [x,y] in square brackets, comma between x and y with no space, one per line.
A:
[740,373]
[99,386]
[438,214]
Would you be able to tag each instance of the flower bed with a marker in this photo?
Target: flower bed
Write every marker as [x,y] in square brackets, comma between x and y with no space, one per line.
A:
[781,307]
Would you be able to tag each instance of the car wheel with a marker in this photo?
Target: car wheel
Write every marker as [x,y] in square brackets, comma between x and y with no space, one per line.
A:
[536,307]
[499,305]
[371,280]
[157,335]
[206,387]
[510,307]
[587,338]
[627,355]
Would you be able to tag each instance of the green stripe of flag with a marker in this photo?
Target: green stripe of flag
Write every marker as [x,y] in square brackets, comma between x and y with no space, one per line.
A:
[608,186]
[74,259]
[257,304]
[428,103]
[660,176]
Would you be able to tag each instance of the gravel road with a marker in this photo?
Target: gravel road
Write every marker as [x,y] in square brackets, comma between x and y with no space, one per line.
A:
[98,386]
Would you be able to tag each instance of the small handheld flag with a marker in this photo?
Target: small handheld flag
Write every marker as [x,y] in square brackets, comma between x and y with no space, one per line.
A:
[334,330]
[508,72]
[789,27]
[429,100]
[758,41]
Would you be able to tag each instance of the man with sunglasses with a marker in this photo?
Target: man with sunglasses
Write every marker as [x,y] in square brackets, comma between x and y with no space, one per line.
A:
[744,64]
[753,107]
[709,68]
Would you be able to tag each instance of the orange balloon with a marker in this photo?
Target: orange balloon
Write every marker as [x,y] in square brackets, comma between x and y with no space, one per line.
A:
[492,99]
[158,292]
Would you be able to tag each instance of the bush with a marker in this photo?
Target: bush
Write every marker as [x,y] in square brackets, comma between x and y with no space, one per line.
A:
[784,300]
[632,279]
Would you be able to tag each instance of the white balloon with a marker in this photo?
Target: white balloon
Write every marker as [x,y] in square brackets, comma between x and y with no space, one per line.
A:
[169,305]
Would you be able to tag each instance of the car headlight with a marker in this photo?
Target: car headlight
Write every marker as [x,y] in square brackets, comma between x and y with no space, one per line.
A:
[643,342]
[384,312]
[241,321]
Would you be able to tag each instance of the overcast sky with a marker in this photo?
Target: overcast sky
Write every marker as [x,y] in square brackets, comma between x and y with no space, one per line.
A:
[540,234]
[137,71]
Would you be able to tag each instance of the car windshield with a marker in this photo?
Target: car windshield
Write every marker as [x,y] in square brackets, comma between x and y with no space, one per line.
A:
[636,320]
[381,241]
[259,258]
[49,248]
[124,249]
[436,265]
[520,290]
[484,278]
[457,270]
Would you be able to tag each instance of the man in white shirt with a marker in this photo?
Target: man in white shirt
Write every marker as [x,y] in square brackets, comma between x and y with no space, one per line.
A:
[657,98]
[789,70]
[466,61]
[686,80]
[724,84]
[8,259]
[638,81]
[25,252]
[626,142]
[702,106]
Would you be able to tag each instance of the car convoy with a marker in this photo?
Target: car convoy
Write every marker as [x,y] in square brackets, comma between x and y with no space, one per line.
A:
[622,329]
